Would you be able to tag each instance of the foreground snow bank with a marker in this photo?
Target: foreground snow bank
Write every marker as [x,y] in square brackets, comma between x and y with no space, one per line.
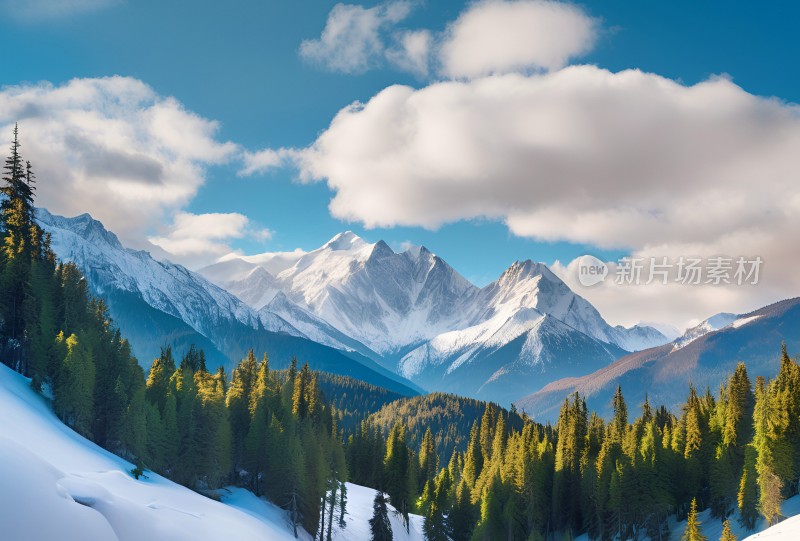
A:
[789,529]
[57,486]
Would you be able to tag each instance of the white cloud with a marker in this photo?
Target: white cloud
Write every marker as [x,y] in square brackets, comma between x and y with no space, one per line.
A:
[412,52]
[35,10]
[196,239]
[625,160]
[352,40]
[114,148]
[501,37]
[264,160]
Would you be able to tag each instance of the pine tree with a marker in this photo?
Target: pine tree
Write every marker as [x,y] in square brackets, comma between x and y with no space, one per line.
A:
[463,515]
[17,205]
[727,534]
[772,455]
[75,386]
[428,461]
[747,497]
[238,399]
[785,402]
[379,524]
[692,531]
[399,473]
[158,379]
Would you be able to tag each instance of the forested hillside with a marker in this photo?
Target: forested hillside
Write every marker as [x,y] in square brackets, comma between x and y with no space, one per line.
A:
[449,418]
[352,400]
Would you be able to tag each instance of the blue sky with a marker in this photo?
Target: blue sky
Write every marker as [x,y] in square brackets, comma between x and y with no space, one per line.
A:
[238,63]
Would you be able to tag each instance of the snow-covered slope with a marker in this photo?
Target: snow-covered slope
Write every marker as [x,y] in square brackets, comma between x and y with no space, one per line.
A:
[711,528]
[788,530]
[714,323]
[59,486]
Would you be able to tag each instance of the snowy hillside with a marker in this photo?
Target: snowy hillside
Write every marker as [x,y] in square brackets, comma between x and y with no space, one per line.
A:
[81,492]
[788,530]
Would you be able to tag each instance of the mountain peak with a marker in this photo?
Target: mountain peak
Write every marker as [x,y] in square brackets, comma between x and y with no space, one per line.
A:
[345,241]
[521,270]
[83,225]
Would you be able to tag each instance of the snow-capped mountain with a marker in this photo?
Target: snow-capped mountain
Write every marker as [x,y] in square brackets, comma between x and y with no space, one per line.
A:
[704,356]
[414,308]
[159,303]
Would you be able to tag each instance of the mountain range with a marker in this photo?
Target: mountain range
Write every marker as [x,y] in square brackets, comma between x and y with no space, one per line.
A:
[407,321]
[411,323]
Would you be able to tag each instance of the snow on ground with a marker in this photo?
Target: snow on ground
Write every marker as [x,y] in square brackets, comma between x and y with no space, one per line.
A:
[58,486]
[743,321]
[788,529]
[359,512]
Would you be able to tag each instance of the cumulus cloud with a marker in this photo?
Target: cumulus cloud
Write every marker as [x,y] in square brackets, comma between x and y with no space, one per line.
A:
[626,160]
[36,10]
[352,40]
[112,147]
[489,37]
[195,239]
[500,37]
